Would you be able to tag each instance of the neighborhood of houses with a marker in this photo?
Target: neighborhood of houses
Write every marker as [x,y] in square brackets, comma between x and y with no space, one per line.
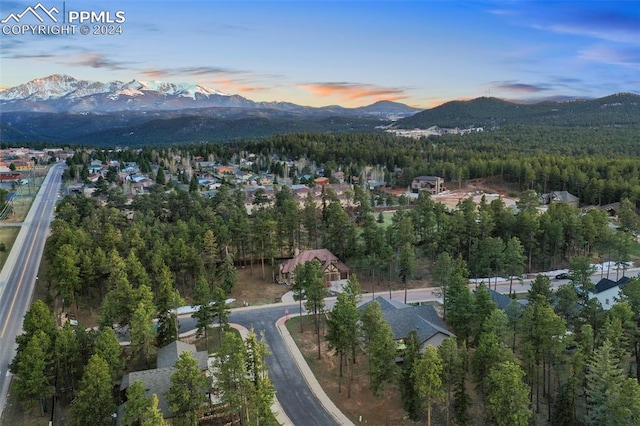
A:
[402,318]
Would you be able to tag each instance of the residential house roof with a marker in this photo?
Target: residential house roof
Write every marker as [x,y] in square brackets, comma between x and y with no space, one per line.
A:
[502,301]
[324,256]
[605,284]
[404,318]
[158,380]
[558,196]
[168,355]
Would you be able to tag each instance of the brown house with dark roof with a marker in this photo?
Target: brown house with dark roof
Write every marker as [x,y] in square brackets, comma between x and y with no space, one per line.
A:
[332,268]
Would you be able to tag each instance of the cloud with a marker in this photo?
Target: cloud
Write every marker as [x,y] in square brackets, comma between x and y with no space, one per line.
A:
[611,21]
[94,60]
[37,56]
[612,55]
[236,86]
[190,71]
[519,87]
[354,91]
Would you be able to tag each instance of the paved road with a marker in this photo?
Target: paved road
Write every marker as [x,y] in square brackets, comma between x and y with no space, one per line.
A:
[18,275]
[298,401]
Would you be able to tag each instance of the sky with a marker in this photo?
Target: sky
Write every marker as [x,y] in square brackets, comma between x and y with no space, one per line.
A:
[350,53]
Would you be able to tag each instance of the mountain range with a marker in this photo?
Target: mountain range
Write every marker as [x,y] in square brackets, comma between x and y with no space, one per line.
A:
[63,109]
[622,109]
[61,93]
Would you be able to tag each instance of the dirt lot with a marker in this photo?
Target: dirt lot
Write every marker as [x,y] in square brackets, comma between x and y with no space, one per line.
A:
[252,289]
[385,409]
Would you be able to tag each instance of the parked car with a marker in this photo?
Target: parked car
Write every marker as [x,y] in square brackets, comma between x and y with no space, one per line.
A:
[563,276]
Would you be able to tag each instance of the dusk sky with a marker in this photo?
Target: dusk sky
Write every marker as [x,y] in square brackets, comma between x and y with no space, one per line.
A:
[421,53]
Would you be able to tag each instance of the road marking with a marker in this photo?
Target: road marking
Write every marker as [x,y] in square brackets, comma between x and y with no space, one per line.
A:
[15,296]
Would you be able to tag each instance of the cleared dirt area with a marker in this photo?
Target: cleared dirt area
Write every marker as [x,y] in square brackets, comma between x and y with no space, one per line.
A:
[362,407]
[252,289]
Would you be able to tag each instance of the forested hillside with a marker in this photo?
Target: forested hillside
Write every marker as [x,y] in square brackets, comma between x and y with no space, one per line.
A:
[599,166]
[616,110]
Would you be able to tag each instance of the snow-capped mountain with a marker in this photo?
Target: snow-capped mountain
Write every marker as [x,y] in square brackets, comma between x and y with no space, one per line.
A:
[64,93]
[60,86]
[61,93]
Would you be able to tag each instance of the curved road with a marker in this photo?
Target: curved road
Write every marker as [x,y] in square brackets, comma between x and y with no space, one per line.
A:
[296,398]
[19,273]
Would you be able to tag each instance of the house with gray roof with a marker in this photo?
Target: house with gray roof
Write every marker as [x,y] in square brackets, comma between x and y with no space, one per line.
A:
[158,380]
[608,291]
[503,301]
[403,319]
[559,197]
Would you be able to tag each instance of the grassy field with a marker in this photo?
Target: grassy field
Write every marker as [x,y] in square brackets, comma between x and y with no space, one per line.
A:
[8,236]
[20,208]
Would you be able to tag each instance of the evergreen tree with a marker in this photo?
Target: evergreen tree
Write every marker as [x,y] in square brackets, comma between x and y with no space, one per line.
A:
[186,395]
[410,399]
[94,402]
[604,382]
[262,393]
[228,274]
[443,269]
[426,375]
[193,184]
[452,368]
[138,405]
[232,379]
[167,301]
[381,348]
[32,367]
[160,177]
[220,310]
[153,416]
[343,332]
[142,330]
[108,348]
[507,396]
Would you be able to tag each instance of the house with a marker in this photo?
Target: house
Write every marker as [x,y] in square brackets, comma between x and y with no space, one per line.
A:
[432,184]
[404,318]
[158,380]
[321,181]
[332,268]
[559,197]
[607,291]
[503,301]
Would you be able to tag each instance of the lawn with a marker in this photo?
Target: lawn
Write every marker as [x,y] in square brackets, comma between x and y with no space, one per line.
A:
[8,236]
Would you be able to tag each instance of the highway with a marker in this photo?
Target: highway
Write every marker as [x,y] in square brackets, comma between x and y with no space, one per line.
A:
[19,273]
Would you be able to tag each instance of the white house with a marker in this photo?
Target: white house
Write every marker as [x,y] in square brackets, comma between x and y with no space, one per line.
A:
[608,291]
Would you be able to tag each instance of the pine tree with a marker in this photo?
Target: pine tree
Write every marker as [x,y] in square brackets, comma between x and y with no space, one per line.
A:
[94,403]
[153,416]
[108,348]
[507,396]
[427,374]
[32,367]
[410,400]
[604,381]
[186,395]
[137,406]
